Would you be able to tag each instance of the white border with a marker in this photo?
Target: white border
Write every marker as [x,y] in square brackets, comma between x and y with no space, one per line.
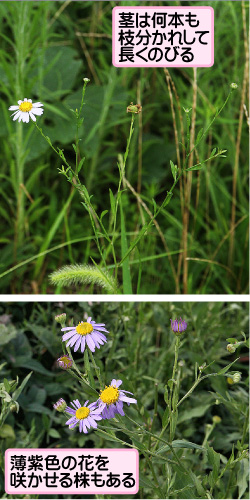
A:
[124,298]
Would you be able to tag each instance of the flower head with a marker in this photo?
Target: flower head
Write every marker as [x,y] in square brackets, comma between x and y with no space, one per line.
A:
[64,362]
[26,110]
[85,333]
[231,348]
[111,400]
[60,405]
[178,327]
[61,318]
[85,416]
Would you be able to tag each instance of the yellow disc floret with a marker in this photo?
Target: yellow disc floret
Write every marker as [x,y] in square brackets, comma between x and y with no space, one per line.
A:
[84,328]
[65,360]
[109,395]
[82,413]
[25,106]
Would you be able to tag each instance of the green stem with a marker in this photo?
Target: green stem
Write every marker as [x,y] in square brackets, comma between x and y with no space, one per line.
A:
[97,370]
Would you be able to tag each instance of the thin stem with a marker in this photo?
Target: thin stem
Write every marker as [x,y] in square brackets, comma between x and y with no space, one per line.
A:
[97,370]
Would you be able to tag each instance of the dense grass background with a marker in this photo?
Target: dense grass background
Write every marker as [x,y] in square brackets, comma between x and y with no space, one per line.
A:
[47,48]
[140,351]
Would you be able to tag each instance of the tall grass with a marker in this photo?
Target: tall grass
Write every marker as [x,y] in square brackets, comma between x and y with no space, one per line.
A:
[190,423]
[199,242]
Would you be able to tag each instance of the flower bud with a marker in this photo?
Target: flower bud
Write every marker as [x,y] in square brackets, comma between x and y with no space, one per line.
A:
[234,86]
[236,377]
[134,108]
[64,362]
[14,407]
[178,327]
[60,405]
[61,318]
[231,348]
[216,419]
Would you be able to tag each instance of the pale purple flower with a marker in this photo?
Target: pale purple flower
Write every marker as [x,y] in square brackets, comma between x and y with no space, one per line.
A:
[111,400]
[85,333]
[178,327]
[85,416]
[64,362]
[26,110]
[60,405]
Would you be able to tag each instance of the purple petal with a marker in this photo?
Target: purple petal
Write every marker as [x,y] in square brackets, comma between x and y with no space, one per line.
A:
[77,344]
[83,344]
[90,343]
[71,421]
[68,328]
[67,335]
[72,340]
[127,400]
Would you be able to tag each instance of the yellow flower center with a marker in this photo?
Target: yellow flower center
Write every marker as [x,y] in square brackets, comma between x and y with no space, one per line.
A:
[65,360]
[109,395]
[82,413]
[84,328]
[25,106]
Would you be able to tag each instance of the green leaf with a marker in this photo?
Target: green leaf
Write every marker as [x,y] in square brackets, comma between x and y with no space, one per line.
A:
[127,283]
[231,340]
[104,212]
[242,477]
[225,370]
[112,202]
[6,431]
[195,167]
[54,433]
[213,459]
[165,417]
[197,411]
[213,152]
[6,385]
[174,169]
[18,391]
[198,138]
[80,164]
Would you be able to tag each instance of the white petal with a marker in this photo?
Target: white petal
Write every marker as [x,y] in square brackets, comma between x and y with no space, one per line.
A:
[11,108]
[19,102]
[21,119]
[25,99]
[29,100]
[37,104]
[16,115]
[32,117]
[37,111]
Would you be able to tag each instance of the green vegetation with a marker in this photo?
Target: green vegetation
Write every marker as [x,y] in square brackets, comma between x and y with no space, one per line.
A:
[190,423]
[198,240]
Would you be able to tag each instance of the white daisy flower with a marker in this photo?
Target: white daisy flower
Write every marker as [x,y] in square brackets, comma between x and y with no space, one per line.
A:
[26,110]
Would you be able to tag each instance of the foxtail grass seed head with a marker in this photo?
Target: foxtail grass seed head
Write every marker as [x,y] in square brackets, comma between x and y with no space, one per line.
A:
[64,362]
[61,318]
[60,405]
[25,110]
[231,348]
[85,416]
[134,108]
[178,327]
[86,333]
[111,400]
